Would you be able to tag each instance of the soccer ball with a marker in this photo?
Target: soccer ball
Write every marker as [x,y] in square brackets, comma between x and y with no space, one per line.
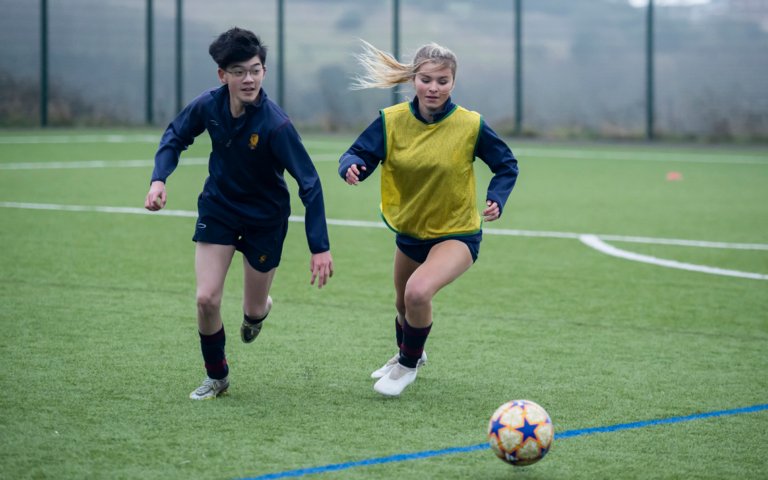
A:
[520,432]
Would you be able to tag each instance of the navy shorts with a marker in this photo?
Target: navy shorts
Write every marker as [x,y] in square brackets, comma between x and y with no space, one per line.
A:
[417,250]
[261,246]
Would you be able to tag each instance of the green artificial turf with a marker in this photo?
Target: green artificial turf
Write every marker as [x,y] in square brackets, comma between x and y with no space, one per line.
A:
[100,349]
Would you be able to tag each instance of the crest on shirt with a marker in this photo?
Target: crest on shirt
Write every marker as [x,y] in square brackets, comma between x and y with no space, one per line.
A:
[253,141]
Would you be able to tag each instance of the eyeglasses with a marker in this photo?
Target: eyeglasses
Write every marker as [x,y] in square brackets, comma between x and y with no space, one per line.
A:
[241,72]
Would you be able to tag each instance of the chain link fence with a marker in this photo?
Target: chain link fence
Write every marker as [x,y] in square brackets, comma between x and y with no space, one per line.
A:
[583,64]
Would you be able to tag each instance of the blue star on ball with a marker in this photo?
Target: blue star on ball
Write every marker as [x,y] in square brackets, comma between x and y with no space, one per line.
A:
[528,430]
[497,426]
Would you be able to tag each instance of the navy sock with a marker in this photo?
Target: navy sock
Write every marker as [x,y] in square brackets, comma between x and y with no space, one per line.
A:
[254,321]
[212,347]
[398,333]
[413,344]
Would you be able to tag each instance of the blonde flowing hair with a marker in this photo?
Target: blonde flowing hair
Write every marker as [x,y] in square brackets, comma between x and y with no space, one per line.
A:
[382,70]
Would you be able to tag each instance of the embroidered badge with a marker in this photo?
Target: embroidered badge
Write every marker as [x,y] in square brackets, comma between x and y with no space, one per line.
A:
[262,258]
[253,141]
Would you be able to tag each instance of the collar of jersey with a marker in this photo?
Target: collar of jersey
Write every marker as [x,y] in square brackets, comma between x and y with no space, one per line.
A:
[448,108]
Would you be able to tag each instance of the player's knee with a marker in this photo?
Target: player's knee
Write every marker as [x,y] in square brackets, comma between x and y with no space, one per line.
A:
[417,295]
[208,303]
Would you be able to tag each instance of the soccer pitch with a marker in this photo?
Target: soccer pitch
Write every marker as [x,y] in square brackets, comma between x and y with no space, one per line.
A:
[624,289]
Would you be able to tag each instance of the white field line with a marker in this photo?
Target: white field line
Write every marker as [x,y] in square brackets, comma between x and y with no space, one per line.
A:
[370,224]
[579,154]
[590,240]
[92,164]
[576,152]
[145,163]
[630,239]
[117,138]
[521,153]
[594,242]
[377,224]
[90,208]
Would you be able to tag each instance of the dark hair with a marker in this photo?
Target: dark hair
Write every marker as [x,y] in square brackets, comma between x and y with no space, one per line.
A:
[237,45]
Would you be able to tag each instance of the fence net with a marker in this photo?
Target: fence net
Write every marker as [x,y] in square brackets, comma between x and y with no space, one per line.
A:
[583,62]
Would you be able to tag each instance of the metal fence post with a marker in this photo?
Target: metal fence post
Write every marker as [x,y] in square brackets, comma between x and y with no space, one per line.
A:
[179,54]
[43,63]
[649,80]
[518,67]
[281,53]
[395,44]
[150,72]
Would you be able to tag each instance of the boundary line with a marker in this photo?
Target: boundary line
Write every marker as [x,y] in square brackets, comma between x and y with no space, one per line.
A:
[642,156]
[378,224]
[482,446]
[79,138]
[630,239]
[590,240]
[141,163]
[593,241]
[542,153]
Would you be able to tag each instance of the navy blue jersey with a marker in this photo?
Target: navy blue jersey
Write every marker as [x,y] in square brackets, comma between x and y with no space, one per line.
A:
[246,165]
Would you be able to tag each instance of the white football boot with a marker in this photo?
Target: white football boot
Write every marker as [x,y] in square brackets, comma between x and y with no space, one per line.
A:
[395,381]
[210,389]
[393,361]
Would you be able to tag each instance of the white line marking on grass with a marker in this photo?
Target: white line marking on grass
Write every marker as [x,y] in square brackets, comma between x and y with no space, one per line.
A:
[116,138]
[630,239]
[91,164]
[577,152]
[378,224]
[345,223]
[121,163]
[92,208]
[686,243]
[529,233]
[590,240]
[594,242]
[685,157]
[332,157]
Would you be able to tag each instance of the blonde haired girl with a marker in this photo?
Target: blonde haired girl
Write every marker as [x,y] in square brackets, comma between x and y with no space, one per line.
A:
[426,148]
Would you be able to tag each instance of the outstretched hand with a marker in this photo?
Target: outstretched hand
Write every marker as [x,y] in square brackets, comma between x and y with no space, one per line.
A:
[321,266]
[492,212]
[352,176]
[156,197]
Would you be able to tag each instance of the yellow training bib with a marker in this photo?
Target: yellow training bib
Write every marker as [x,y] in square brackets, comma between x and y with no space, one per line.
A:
[427,179]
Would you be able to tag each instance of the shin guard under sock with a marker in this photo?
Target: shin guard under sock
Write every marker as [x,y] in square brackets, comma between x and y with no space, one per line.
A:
[413,344]
[398,333]
[212,347]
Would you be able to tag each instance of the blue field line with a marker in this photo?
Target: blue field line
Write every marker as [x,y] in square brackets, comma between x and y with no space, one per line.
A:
[404,457]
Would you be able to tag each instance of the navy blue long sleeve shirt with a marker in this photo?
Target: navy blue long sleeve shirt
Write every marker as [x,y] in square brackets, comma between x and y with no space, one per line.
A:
[246,165]
[370,149]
